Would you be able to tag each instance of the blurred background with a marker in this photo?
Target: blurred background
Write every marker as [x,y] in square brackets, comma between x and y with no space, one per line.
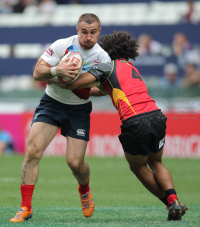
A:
[169,62]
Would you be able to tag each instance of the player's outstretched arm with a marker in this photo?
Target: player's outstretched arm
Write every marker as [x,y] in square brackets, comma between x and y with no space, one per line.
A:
[84,80]
[96,92]
[95,74]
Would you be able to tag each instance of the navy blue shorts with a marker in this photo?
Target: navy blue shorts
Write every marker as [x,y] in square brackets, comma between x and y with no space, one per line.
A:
[143,133]
[74,120]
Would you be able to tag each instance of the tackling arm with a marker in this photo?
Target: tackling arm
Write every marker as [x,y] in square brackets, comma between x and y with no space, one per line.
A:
[96,92]
[95,74]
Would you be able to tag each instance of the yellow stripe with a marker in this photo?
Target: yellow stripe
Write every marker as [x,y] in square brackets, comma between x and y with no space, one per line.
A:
[118,94]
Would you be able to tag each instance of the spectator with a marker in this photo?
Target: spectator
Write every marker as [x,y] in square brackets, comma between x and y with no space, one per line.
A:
[5,7]
[47,6]
[6,143]
[192,15]
[20,6]
[148,46]
[191,77]
[184,50]
[170,79]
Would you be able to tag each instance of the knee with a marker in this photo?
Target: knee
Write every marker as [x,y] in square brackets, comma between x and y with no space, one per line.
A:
[154,165]
[74,165]
[33,153]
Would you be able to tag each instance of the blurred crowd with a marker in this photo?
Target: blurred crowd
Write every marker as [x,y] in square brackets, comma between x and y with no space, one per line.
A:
[44,6]
[187,55]
[192,15]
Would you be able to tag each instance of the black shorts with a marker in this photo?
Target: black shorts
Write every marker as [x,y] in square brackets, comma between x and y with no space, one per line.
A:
[143,133]
[74,120]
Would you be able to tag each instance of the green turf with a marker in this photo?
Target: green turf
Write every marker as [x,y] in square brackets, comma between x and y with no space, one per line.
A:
[120,198]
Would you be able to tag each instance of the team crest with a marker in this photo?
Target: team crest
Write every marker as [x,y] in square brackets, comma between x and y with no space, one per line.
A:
[97,59]
[50,51]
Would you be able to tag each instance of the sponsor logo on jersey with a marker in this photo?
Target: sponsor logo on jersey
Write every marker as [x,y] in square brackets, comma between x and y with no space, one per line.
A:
[97,59]
[161,143]
[80,132]
[50,51]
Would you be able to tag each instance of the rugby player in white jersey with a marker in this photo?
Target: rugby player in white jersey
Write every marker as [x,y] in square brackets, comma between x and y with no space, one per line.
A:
[63,109]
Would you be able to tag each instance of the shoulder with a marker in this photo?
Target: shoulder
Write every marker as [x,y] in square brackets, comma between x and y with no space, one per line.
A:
[104,55]
[65,41]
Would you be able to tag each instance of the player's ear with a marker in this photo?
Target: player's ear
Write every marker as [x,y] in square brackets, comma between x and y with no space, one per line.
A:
[77,29]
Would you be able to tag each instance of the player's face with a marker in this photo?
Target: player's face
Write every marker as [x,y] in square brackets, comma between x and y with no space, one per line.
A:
[88,34]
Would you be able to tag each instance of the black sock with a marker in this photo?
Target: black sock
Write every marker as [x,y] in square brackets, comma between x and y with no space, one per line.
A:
[164,200]
[170,191]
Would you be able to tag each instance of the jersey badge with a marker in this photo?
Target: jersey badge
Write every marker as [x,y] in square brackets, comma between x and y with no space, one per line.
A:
[50,51]
[97,59]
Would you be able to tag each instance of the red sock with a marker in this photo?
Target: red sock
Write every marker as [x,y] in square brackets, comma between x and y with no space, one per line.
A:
[171,198]
[27,192]
[83,189]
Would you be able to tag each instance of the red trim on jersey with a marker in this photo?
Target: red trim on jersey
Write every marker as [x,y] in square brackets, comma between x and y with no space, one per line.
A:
[83,93]
[66,52]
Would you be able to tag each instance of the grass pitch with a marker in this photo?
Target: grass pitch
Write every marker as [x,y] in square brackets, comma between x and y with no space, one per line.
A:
[120,198]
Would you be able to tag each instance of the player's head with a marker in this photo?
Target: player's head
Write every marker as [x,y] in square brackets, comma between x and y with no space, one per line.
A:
[120,45]
[88,30]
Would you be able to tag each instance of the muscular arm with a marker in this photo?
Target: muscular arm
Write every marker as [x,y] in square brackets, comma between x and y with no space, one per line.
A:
[84,80]
[96,92]
[42,71]
[88,79]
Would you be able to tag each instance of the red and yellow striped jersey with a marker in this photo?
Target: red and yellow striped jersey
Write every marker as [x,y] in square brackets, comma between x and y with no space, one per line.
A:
[127,90]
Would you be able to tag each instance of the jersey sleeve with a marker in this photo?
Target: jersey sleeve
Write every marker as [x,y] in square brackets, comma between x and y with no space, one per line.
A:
[105,58]
[56,51]
[101,70]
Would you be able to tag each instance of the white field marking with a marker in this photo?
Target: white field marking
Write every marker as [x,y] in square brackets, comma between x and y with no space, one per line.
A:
[9,179]
[56,181]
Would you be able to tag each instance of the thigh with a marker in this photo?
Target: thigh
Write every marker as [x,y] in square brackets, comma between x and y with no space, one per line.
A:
[76,149]
[136,161]
[155,157]
[40,136]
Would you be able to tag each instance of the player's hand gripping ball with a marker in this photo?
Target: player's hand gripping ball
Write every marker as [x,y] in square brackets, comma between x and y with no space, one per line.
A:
[76,58]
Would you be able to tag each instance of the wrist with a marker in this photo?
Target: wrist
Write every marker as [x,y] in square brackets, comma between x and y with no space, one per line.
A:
[53,71]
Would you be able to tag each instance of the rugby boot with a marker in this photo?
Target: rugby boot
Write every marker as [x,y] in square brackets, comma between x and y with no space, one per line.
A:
[184,208]
[22,214]
[175,211]
[87,204]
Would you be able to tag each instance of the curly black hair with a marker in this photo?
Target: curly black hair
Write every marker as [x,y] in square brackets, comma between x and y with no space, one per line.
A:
[120,44]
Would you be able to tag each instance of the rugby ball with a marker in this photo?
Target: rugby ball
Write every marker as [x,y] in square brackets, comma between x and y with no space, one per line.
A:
[76,58]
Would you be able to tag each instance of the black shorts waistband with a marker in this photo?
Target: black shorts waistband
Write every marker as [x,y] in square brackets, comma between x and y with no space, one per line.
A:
[131,120]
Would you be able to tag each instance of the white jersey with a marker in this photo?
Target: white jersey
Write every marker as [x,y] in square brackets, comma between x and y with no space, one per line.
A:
[55,53]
